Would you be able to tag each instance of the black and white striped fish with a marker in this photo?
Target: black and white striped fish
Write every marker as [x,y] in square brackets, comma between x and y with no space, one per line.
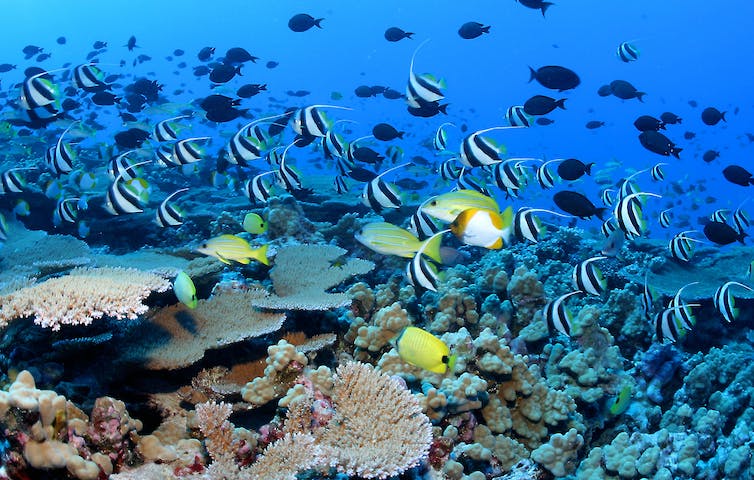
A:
[719,215]
[607,197]
[665,218]
[657,174]
[340,184]
[66,210]
[440,141]
[122,198]
[289,177]
[166,130]
[242,149]
[422,89]
[725,302]
[588,278]
[310,122]
[667,327]
[37,91]
[164,154]
[627,52]
[648,298]
[256,189]
[60,157]
[682,311]
[422,272]
[89,78]
[186,152]
[379,195]
[608,227]
[121,165]
[11,181]
[478,151]
[517,117]
[334,145]
[422,225]
[168,215]
[528,227]
[350,152]
[558,316]
[741,219]
[681,246]
[545,177]
[628,214]
[449,169]
[467,182]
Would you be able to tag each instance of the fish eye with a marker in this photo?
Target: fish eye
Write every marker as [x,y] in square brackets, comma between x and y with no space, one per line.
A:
[433,202]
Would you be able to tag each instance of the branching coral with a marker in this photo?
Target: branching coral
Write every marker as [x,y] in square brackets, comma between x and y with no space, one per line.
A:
[82,296]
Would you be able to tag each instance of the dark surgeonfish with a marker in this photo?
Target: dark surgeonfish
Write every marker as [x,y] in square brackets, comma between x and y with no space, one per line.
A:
[625,91]
[542,105]
[471,30]
[722,234]
[303,22]
[738,175]
[555,77]
[659,144]
[577,205]
[712,116]
[395,34]
[536,5]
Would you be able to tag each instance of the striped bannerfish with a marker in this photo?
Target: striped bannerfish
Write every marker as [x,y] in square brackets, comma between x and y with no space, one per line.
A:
[256,189]
[681,246]
[628,214]
[627,52]
[725,302]
[665,218]
[66,211]
[517,117]
[558,316]
[449,169]
[588,278]
[11,181]
[166,130]
[478,151]
[122,198]
[421,272]
[467,182]
[61,156]
[528,227]
[682,311]
[379,195]
[89,78]
[340,184]
[422,89]
[545,177]
[421,224]
[440,140]
[37,91]
[657,174]
[186,152]
[168,215]
[310,122]
[648,298]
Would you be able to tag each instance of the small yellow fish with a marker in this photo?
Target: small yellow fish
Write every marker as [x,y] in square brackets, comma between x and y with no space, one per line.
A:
[184,289]
[621,402]
[422,349]
[388,239]
[448,206]
[483,228]
[254,224]
[227,248]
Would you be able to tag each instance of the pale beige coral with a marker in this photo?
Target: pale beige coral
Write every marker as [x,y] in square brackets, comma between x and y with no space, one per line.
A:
[283,459]
[82,296]
[378,429]
[278,374]
[387,323]
[556,454]
[302,274]
[179,336]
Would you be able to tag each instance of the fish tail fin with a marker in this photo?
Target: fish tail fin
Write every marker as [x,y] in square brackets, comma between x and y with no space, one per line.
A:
[532,72]
[486,29]
[722,115]
[409,35]
[238,70]
[452,362]
[676,152]
[561,103]
[261,254]
[588,168]
[443,108]
[640,96]
[545,6]
[600,212]
[431,248]
[317,21]
[741,237]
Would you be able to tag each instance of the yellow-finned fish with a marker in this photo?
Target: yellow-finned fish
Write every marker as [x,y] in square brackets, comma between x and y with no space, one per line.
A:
[422,349]
[184,289]
[230,248]
[621,402]
[448,206]
[388,239]
[255,224]
[483,228]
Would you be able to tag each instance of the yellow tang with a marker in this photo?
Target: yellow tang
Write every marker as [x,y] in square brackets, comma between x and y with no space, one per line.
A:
[255,224]
[448,206]
[185,290]
[227,248]
[388,239]
[483,228]
[422,349]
